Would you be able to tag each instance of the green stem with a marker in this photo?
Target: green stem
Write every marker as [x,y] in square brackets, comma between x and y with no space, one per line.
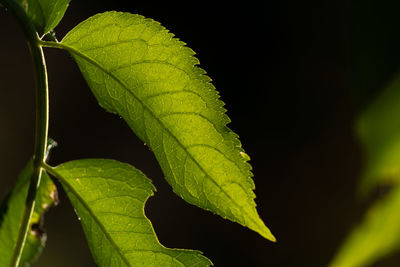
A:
[41,129]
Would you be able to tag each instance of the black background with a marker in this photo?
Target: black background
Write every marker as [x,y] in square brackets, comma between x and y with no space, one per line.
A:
[293,75]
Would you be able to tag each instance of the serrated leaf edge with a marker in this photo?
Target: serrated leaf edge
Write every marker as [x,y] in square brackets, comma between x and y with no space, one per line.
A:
[266,233]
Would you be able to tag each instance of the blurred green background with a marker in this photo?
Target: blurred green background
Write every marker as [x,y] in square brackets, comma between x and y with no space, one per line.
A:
[294,75]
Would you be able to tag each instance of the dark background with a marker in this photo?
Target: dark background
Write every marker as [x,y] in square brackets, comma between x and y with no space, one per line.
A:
[294,75]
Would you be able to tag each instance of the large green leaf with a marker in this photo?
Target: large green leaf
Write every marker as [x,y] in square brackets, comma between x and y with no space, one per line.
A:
[379,131]
[137,69]
[109,199]
[377,235]
[11,217]
[45,14]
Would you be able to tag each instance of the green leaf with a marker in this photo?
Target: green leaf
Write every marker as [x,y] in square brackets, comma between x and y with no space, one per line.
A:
[45,14]
[11,214]
[377,236]
[379,132]
[109,199]
[137,69]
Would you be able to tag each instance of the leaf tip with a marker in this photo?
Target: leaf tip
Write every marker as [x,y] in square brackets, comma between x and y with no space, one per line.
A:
[259,226]
[266,233]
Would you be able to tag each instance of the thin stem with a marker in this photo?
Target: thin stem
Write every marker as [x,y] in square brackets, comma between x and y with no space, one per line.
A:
[39,151]
[41,129]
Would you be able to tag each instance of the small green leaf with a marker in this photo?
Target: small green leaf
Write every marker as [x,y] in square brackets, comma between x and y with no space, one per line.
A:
[137,69]
[377,236]
[45,14]
[109,199]
[11,213]
[379,132]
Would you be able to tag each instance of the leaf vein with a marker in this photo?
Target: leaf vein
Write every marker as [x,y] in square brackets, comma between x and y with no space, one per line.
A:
[148,61]
[172,93]
[119,214]
[113,197]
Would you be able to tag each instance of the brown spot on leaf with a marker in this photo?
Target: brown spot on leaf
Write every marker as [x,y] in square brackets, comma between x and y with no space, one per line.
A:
[37,231]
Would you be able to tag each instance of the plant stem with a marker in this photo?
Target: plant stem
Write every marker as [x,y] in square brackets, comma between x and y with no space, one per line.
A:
[41,128]
[40,148]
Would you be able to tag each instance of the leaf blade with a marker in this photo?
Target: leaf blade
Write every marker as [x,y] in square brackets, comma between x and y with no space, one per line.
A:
[109,197]
[376,236]
[11,217]
[137,69]
[379,132]
[45,14]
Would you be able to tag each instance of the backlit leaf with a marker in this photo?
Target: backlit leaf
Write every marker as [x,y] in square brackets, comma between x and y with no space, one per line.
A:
[109,198]
[11,217]
[136,68]
[379,131]
[45,14]
[377,236]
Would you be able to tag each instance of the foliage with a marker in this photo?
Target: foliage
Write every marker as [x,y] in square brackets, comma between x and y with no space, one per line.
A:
[12,212]
[378,235]
[140,71]
[170,104]
[109,197]
[45,14]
